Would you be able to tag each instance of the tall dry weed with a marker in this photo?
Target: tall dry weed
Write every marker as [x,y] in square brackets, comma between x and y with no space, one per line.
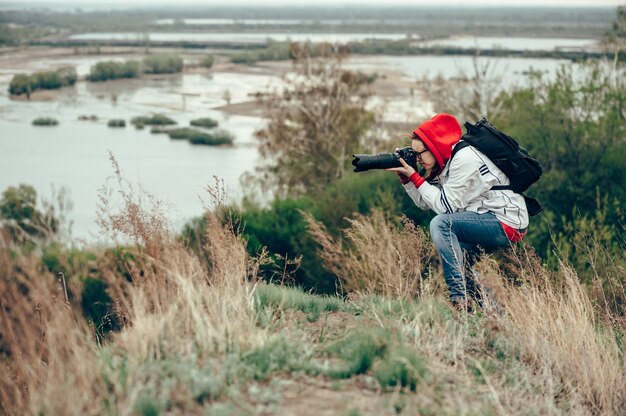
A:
[574,351]
[47,348]
[375,257]
[173,307]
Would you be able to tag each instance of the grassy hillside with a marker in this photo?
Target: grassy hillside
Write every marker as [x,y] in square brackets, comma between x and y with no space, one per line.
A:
[193,334]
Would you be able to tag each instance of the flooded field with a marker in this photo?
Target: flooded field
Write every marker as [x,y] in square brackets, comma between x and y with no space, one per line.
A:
[518,44]
[248,38]
[75,154]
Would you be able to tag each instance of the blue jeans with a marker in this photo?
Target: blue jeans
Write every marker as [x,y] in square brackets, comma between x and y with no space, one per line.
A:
[460,238]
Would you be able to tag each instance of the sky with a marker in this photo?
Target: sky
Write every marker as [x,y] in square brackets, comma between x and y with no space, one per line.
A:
[557,3]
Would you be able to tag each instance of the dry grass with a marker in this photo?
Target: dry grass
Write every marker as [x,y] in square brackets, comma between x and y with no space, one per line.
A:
[199,335]
[566,349]
[172,304]
[375,257]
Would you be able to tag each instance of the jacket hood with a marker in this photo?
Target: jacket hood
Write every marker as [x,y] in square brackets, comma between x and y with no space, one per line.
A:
[439,135]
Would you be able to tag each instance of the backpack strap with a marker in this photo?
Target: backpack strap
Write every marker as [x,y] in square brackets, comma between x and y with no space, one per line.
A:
[459,146]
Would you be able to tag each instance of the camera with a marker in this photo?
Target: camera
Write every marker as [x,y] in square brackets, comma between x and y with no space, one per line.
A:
[362,162]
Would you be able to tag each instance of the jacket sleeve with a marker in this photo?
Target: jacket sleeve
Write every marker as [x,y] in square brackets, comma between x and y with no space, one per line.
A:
[413,192]
[465,183]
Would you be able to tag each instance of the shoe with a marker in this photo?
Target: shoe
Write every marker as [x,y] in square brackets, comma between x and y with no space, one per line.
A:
[462,305]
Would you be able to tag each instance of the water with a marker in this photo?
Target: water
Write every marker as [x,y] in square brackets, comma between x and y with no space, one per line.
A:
[482,42]
[75,153]
[266,22]
[517,44]
[237,38]
[512,71]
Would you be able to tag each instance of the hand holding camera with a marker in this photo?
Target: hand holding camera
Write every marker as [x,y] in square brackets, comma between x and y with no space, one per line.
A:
[405,169]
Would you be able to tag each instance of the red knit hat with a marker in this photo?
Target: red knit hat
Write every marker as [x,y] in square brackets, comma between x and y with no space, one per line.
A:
[439,134]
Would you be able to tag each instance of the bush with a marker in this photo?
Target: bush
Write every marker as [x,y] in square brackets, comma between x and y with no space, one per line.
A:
[204,122]
[103,71]
[162,64]
[182,133]
[278,51]
[45,121]
[98,306]
[22,84]
[153,120]
[400,367]
[20,215]
[159,130]
[117,123]
[218,137]
[207,61]
[47,80]
[359,350]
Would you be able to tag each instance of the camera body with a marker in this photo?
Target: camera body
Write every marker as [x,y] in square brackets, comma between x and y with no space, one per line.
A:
[362,162]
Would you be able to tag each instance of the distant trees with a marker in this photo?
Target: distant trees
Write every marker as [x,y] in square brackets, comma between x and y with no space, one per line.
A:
[315,123]
[104,71]
[275,51]
[153,64]
[207,61]
[162,64]
[27,84]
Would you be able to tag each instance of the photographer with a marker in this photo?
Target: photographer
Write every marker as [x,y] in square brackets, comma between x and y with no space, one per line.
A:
[471,216]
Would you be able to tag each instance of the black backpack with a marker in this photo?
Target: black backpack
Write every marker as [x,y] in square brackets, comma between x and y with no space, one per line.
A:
[521,169]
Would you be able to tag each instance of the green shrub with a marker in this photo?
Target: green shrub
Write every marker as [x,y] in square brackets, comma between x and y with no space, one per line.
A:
[278,51]
[207,61]
[22,84]
[159,130]
[204,122]
[19,214]
[98,307]
[215,138]
[45,121]
[275,356]
[400,367]
[295,298]
[117,122]
[359,350]
[162,64]
[103,71]
[182,133]
[153,120]
[26,84]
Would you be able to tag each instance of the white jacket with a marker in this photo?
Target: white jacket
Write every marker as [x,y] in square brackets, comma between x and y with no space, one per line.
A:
[465,185]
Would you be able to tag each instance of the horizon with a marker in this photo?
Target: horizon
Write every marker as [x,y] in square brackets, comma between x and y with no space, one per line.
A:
[319,4]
